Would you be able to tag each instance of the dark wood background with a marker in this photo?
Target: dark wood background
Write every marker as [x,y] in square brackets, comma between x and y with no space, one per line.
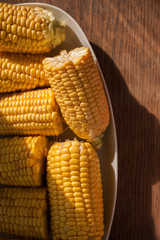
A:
[125,36]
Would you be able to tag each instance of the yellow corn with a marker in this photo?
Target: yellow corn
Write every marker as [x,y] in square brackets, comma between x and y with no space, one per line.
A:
[25,29]
[22,160]
[75,191]
[21,72]
[79,92]
[30,113]
[23,212]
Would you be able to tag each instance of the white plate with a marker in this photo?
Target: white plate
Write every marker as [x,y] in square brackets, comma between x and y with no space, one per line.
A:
[75,37]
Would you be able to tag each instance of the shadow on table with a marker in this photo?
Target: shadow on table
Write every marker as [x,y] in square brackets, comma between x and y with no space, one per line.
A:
[138,133]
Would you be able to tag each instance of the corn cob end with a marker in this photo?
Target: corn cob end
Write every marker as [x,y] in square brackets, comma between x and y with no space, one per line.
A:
[55,33]
[79,91]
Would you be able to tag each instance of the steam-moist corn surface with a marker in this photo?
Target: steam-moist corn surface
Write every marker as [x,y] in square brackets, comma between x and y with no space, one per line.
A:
[22,160]
[75,191]
[23,212]
[79,92]
[21,72]
[33,112]
[25,29]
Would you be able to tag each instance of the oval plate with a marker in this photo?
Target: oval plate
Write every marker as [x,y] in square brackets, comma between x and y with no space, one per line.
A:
[108,155]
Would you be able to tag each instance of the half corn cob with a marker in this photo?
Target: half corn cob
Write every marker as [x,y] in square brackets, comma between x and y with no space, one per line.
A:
[30,113]
[23,212]
[79,92]
[75,191]
[24,29]
[22,160]
[21,72]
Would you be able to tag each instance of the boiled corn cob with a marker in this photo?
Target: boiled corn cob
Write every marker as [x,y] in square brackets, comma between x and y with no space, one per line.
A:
[30,113]
[75,191]
[21,72]
[25,29]
[22,160]
[23,212]
[79,92]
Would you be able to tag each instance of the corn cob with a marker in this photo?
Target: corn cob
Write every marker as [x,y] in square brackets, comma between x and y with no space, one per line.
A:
[30,113]
[23,212]
[24,29]
[22,160]
[21,72]
[79,92]
[75,191]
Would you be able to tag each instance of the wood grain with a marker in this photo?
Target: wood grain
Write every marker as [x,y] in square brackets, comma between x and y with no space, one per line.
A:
[126,38]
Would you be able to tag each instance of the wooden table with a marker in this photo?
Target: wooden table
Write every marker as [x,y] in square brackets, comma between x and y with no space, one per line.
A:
[126,38]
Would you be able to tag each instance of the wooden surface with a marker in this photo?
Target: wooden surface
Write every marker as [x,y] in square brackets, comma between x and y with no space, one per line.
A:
[126,38]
